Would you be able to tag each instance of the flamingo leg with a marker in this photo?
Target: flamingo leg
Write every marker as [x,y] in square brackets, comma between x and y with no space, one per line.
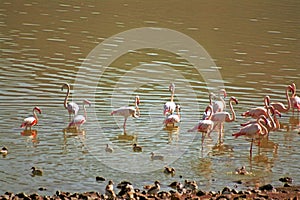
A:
[251,149]
[124,125]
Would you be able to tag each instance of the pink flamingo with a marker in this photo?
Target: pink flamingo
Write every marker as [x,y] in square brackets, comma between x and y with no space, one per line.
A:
[173,118]
[79,120]
[128,111]
[219,106]
[279,106]
[206,114]
[206,125]
[295,99]
[72,107]
[31,121]
[253,130]
[220,117]
[272,121]
[258,111]
[170,106]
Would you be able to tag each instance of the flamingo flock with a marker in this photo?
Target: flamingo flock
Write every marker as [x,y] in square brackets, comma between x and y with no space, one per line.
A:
[214,117]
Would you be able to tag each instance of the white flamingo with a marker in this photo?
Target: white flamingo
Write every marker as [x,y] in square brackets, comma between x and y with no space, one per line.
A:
[72,107]
[280,106]
[253,131]
[205,125]
[170,106]
[128,111]
[79,120]
[173,118]
[32,120]
[220,105]
[220,117]
[295,99]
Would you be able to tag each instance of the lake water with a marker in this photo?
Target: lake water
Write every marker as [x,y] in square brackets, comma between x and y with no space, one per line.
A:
[111,51]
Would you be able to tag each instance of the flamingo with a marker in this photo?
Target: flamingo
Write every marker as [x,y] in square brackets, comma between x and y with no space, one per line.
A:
[31,121]
[258,111]
[295,99]
[205,125]
[279,106]
[219,106]
[78,120]
[206,114]
[128,111]
[72,107]
[220,117]
[253,130]
[173,118]
[170,106]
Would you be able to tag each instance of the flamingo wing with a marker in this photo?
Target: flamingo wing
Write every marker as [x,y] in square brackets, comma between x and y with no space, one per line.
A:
[205,125]
[172,119]
[73,108]
[169,107]
[29,121]
[220,116]
[296,102]
[78,120]
[249,130]
[125,111]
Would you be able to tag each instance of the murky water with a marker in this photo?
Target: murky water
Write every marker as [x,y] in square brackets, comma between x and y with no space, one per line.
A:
[254,46]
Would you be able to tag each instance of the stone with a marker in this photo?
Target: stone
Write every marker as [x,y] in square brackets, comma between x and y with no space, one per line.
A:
[200,193]
[226,190]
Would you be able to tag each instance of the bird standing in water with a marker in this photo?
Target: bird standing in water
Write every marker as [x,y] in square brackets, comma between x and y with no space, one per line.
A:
[128,111]
[170,106]
[72,107]
[31,121]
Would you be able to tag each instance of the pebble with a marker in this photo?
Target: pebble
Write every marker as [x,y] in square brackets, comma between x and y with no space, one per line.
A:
[267,187]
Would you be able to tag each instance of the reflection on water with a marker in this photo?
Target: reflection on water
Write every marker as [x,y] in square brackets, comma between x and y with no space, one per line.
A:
[44,46]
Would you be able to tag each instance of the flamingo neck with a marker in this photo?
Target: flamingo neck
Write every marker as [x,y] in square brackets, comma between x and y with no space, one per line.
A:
[84,111]
[232,111]
[172,95]
[35,116]
[67,95]
[273,125]
[264,129]
[286,109]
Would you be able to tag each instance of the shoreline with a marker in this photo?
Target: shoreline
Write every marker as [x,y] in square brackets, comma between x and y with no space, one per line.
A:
[264,192]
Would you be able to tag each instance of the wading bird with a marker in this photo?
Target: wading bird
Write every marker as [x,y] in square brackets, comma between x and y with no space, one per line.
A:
[220,105]
[253,131]
[128,111]
[220,117]
[295,99]
[31,121]
[170,106]
[80,119]
[280,106]
[72,107]
[205,125]
[172,119]
[258,111]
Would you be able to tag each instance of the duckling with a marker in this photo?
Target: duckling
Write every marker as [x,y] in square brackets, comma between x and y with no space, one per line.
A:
[4,151]
[192,185]
[169,170]
[241,171]
[109,190]
[154,189]
[109,149]
[100,178]
[156,157]
[36,172]
[137,148]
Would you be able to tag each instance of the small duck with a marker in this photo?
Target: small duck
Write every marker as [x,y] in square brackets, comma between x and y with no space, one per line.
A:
[4,151]
[136,148]
[109,190]
[192,185]
[156,157]
[154,189]
[36,172]
[169,170]
[100,178]
[109,149]
[241,171]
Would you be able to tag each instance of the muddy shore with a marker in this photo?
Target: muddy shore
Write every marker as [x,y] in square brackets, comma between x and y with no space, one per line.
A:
[263,192]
